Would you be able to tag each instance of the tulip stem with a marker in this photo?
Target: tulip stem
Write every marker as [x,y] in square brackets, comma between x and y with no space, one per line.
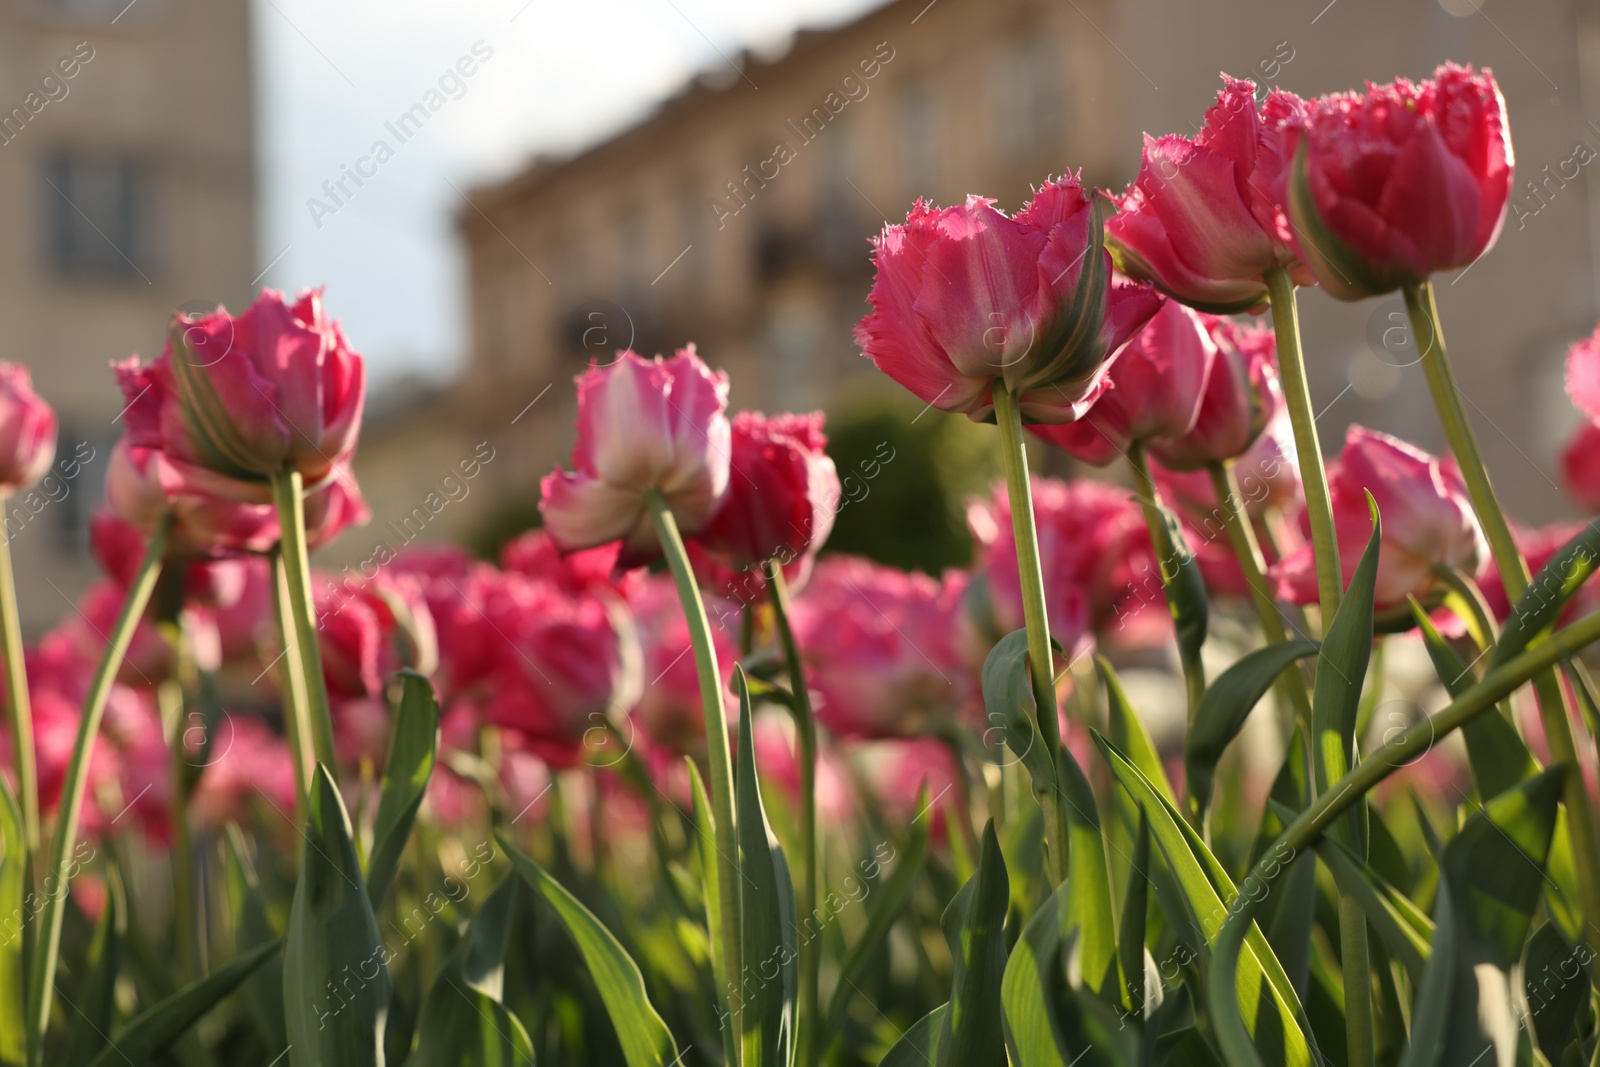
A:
[810,858]
[288,493]
[1167,563]
[296,714]
[1030,573]
[1314,478]
[19,711]
[1554,712]
[719,758]
[47,943]
[1291,684]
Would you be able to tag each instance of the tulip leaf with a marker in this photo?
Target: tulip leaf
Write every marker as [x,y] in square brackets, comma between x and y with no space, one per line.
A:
[154,1031]
[15,879]
[333,943]
[96,1000]
[705,829]
[919,1045]
[263,990]
[1222,712]
[1186,591]
[1009,707]
[766,914]
[1128,733]
[1272,1010]
[1341,672]
[645,1039]
[1405,930]
[1556,987]
[1555,584]
[883,908]
[413,748]
[974,928]
[464,1021]
[1489,886]
[1131,935]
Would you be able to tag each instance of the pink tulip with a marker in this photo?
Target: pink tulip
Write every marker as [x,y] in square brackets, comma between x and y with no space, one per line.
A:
[119,548]
[777,754]
[782,493]
[141,486]
[1268,474]
[235,400]
[1400,182]
[27,430]
[1156,388]
[1583,374]
[1242,397]
[1202,222]
[669,705]
[334,507]
[965,296]
[592,570]
[1580,467]
[1427,519]
[643,426]
[905,773]
[884,649]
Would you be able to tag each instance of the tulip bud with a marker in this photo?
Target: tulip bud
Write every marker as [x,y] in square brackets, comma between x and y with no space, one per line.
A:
[1405,180]
[965,296]
[27,430]
[642,425]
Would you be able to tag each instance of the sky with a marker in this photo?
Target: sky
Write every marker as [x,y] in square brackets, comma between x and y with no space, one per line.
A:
[546,76]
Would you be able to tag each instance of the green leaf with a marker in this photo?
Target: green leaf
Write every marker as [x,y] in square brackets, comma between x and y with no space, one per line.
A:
[1555,584]
[883,907]
[974,927]
[1009,706]
[1131,937]
[1341,672]
[1186,591]
[464,1021]
[15,879]
[335,967]
[1128,732]
[1405,930]
[413,748]
[1272,1010]
[766,914]
[1489,887]
[645,1039]
[1556,985]
[96,1000]
[263,990]
[152,1032]
[1226,705]
[711,888]
[1495,749]
[918,1046]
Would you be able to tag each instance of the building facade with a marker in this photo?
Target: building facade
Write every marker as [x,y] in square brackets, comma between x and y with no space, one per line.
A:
[737,215]
[127,189]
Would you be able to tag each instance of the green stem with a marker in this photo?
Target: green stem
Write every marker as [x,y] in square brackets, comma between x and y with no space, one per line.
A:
[1472,599]
[1554,711]
[288,494]
[19,712]
[1167,562]
[718,755]
[169,695]
[1314,478]
[1291,685]
[1232,1034]
[1030,573]
[296,713]
[47,945]
[810,857]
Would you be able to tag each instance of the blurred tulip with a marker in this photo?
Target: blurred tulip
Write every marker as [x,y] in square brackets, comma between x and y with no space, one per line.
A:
[1580,467]
[1242,397]
[669,708]
[27,430]
[1202,221]
[141,488]
[247,760]
[967,295]
[643,425]
[1400,182]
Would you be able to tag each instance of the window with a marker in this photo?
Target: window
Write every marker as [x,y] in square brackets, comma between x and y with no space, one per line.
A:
[918,139]
[97,212]
[1028,99]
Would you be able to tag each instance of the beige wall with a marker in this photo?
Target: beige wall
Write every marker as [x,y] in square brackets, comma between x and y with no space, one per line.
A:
[169,88]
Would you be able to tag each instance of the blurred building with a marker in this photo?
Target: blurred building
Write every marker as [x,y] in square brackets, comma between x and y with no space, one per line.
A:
[127,188]
[737,214]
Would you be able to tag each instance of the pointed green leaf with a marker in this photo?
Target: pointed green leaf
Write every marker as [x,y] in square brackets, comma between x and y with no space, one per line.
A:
[14,883]
[1405,930]
[96,1001]
[974,927]
[1131,937]
[1555,584]
[645,1039]
[710,888]
[335,966]
[1009,706]
[412,751]
[1128,732]
[464,1021]
[768,984]
[918,1046]
[1226,705]
[154,1031]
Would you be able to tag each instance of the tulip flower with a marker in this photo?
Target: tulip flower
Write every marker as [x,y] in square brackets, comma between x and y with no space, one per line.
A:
[27,430]
[1156,388]
[965,296]
[1203,221]
[593,571]
[1580,467]
[234,401]
[204,526]
[884,649]
[1427,520]
[1242,397]
[643,426]
[1407,179]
